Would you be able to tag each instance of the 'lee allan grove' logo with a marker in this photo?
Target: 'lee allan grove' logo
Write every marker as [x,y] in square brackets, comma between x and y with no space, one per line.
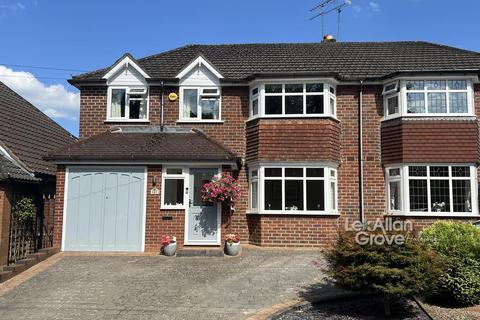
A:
[379,232]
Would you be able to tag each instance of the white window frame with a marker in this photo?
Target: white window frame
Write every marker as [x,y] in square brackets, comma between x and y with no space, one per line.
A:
[327,178]
[402,97]
[200,93]
[183,176]
[327,95]
[127,104]
[405,192]
[251,180]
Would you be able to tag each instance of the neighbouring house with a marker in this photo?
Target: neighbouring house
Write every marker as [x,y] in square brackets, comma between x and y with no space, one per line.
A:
[317,134]
[26,136]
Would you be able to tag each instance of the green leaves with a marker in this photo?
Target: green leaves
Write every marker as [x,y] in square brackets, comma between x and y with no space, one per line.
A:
[24,210]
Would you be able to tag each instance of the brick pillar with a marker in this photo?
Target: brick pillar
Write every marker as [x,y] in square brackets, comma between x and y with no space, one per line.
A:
[5,209]
[58,212]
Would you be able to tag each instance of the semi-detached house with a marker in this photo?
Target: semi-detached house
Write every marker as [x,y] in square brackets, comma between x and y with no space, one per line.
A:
[316,133]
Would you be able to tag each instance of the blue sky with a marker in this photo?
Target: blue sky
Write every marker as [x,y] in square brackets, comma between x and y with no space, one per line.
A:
[88,34]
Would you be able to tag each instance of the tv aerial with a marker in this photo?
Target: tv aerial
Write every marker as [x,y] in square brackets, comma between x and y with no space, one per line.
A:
[329,6]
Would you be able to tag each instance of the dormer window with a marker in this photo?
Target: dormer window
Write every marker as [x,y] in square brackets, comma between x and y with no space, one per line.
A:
[200,104]
[428,97]
[127,104]
[292,99]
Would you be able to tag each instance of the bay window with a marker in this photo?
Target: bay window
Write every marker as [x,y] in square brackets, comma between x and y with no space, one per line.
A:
[432,189]
[432,97]
[293,190]
[173,188]
[302,99]
[200,104]
[127,103]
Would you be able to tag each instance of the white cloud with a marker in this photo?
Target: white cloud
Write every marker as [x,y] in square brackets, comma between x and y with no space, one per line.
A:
[374,6]
[54,99]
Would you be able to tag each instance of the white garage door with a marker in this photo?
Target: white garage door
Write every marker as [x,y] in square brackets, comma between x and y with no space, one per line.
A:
[104,209]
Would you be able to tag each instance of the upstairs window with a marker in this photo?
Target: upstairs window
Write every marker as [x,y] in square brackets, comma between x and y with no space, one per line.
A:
[428,97]
[128,104]
[310,99]
[200,104]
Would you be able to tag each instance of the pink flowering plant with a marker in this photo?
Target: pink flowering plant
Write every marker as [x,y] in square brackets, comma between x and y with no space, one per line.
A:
[166,240]
[232,238]
[222,188]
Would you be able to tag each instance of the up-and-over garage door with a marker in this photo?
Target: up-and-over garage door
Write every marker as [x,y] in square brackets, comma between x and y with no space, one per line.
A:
[105,209]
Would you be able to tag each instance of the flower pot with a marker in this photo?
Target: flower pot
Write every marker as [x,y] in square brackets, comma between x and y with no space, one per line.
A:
[232,248]
[169,250]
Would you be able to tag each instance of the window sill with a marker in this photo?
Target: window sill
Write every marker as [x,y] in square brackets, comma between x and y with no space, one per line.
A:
[173,208]
[293,213]
[295,117]
[127,121]
[434,215]
[432,116]
[200,121]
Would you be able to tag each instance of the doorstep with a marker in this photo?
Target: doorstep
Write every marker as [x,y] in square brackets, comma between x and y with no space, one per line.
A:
[200,251]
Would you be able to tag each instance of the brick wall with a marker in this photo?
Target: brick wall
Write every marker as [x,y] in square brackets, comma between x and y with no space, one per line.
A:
[59,197]
[5,208]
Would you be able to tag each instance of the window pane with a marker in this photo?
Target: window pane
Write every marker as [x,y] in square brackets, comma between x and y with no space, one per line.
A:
[190,103]
[254,195]
[333,195]
[293,104]
[315,104]
[254,91]
[415,103]
[418,195]
[255,107]
[173,194]
[297,87]
[273,105]
[273,172]
[415,85]
[332,106]
[394,172]
[293,172]
[273,88]
[392,105]
[315,195]
[118,103]
[394,200]
[314,172]
[437,171]
[209,91]
[457,84]
[436,85]
[293,194]
[332,90]
[440,195]
[458,102]
[138,109]
[417,171]
[461,171]
[254,173]
[174,171]
[462,196]
[314,87]
[273,195]
[437,102]
[210,108]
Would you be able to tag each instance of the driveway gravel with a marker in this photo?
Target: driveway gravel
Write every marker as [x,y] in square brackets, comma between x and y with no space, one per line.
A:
[158,287]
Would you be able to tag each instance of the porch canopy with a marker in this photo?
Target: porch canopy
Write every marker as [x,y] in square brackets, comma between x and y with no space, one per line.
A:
[145,145]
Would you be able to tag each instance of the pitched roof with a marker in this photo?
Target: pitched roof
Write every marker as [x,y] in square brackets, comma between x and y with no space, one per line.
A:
[28,133]
[145,144]
[345,60]
[10,169]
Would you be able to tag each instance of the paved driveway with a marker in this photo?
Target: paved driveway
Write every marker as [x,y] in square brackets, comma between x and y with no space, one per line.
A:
[157,287]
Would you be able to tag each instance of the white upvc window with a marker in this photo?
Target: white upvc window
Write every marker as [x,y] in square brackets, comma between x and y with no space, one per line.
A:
[293,189]
[434,189]
[200,104]
[292,99]
[428,97]
[127,103]
[174,188]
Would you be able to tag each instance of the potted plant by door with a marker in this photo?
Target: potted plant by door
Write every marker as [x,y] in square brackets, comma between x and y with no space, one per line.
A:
[169,245]
[232,244]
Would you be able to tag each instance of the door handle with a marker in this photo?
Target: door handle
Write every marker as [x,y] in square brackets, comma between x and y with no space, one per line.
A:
[190,202]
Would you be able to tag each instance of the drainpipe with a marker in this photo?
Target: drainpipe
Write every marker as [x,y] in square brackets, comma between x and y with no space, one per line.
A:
[360,152]
[161,106]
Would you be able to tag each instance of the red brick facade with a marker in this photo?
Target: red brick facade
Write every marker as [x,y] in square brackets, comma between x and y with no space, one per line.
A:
[285,140]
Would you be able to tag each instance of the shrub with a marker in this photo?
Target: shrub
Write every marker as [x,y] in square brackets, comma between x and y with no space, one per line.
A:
[392,270]
[459,245]
[24,210]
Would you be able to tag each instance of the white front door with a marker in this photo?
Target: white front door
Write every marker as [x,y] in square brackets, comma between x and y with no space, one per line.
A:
[202,219]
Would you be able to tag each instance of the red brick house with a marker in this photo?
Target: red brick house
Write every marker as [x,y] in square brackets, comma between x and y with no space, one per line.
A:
[317,134]
[26,135]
